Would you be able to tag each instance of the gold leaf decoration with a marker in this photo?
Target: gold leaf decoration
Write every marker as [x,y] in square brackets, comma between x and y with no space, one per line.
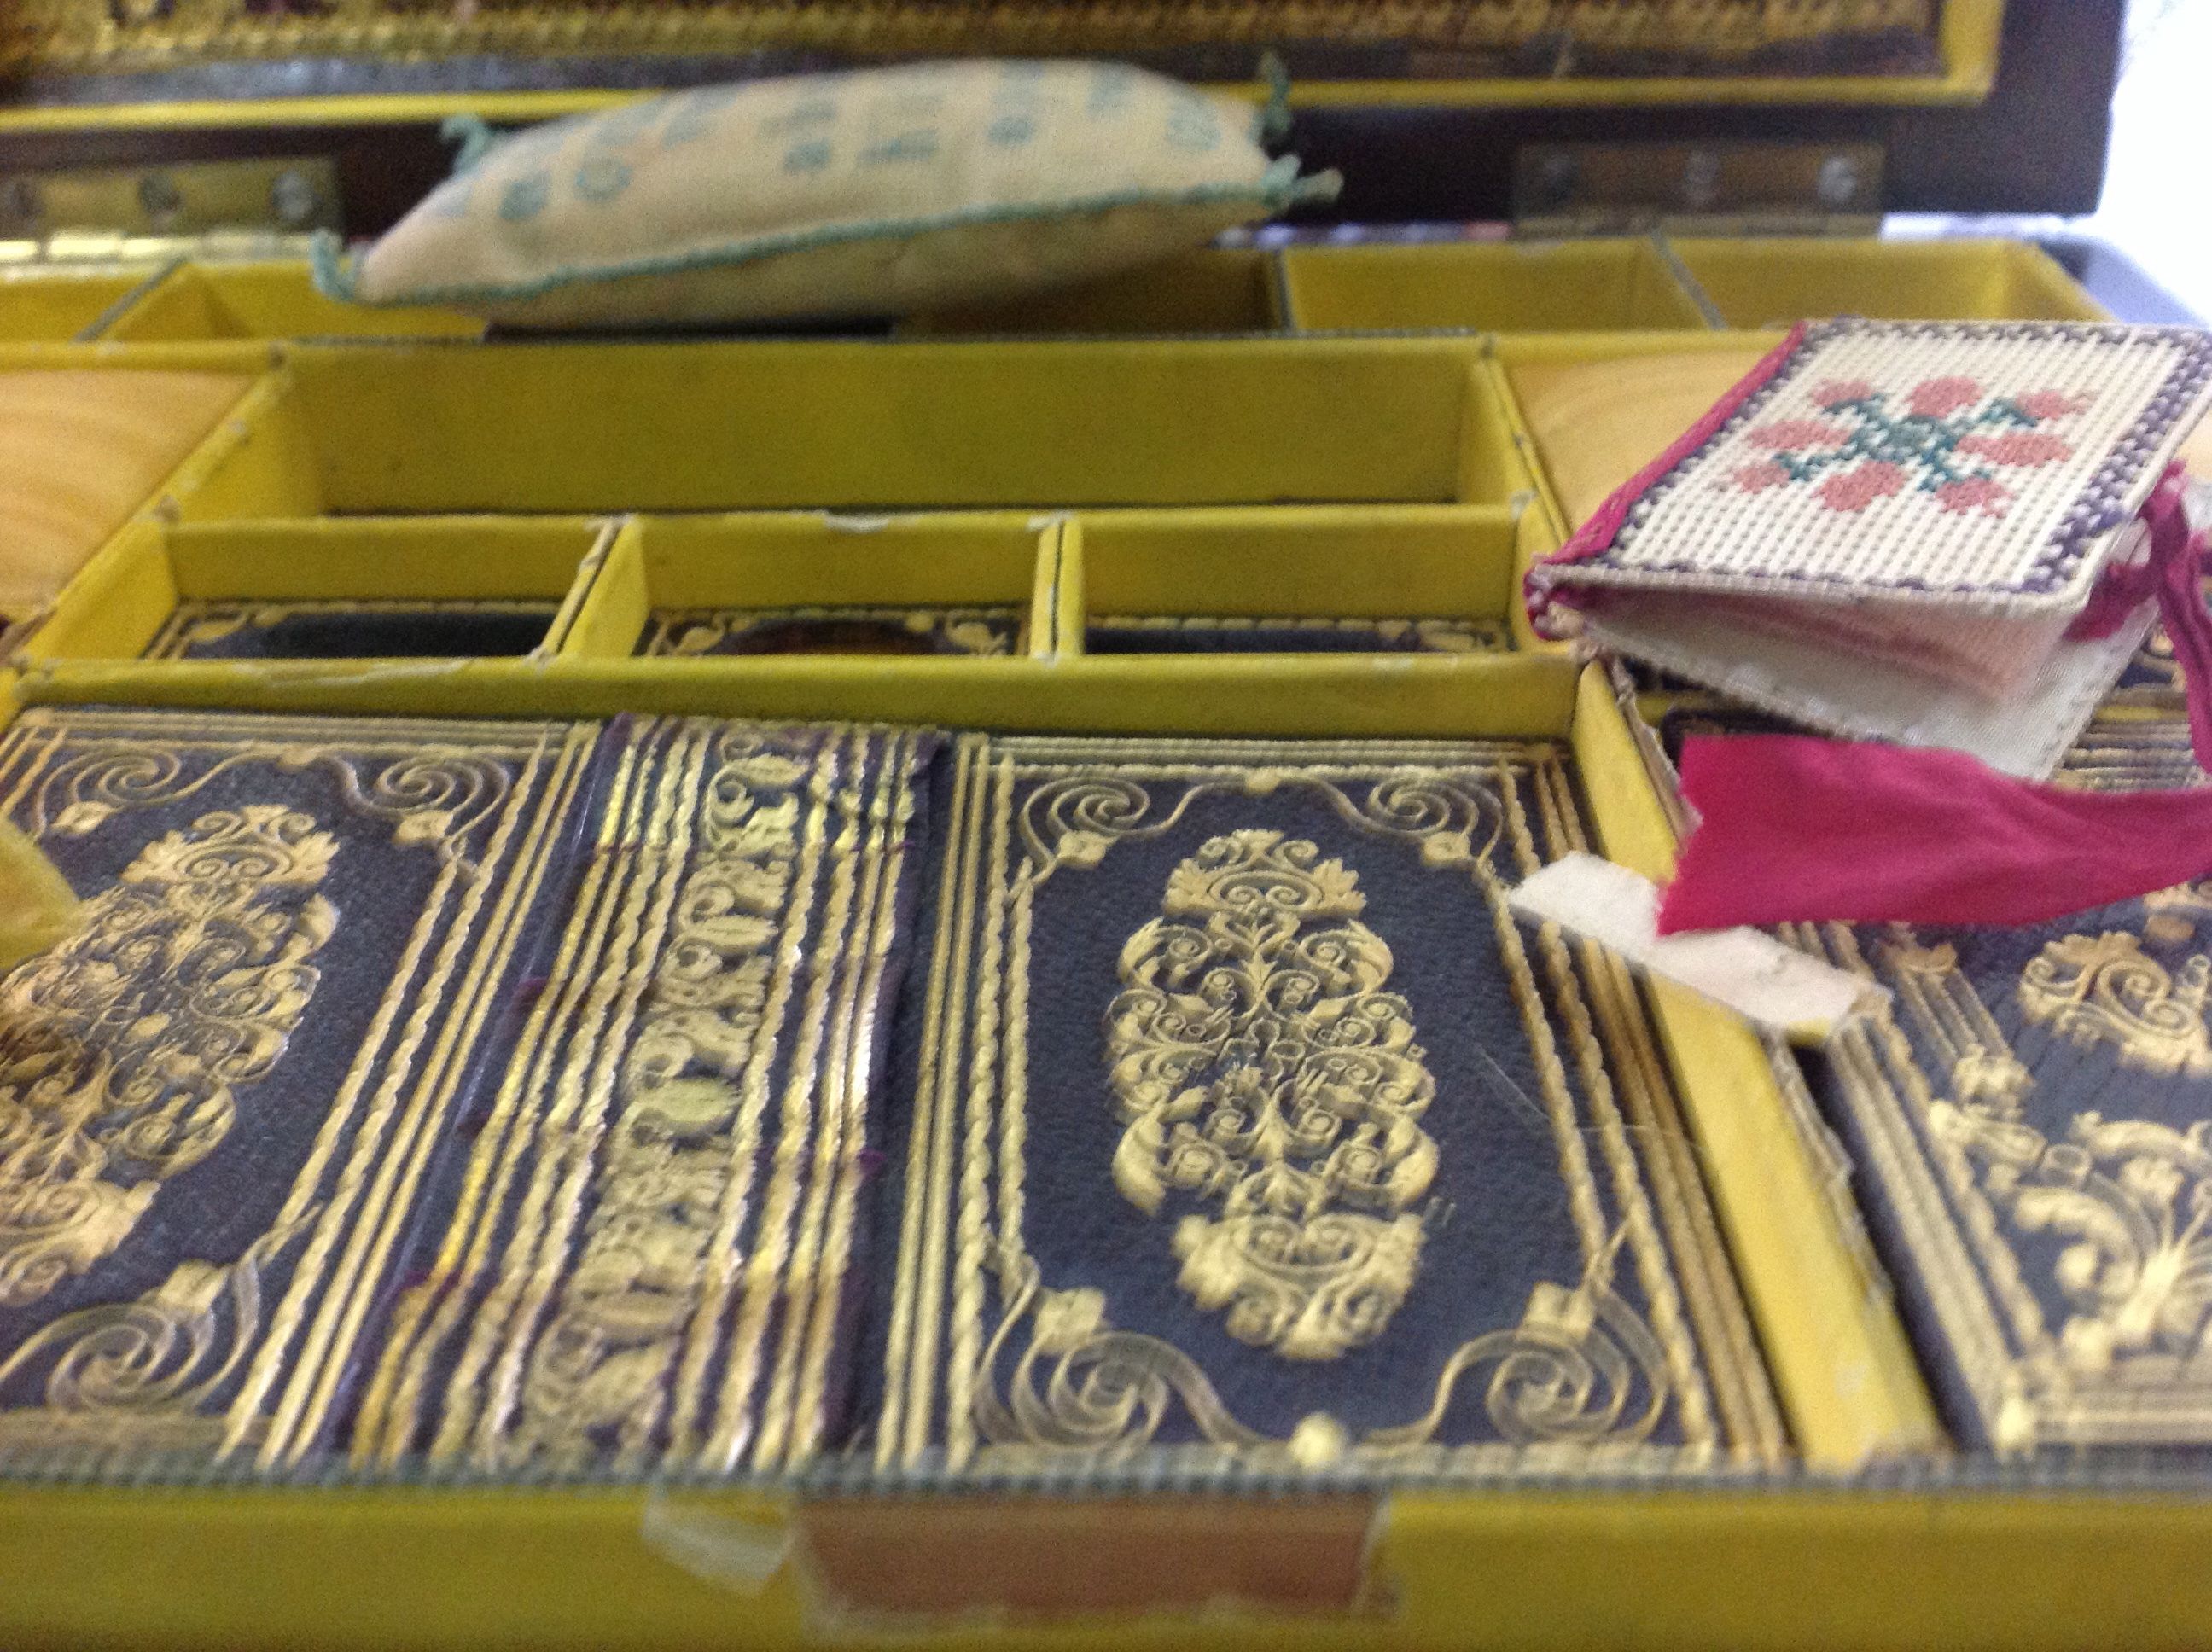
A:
[123,1049]
[1260,1067]
[2106,989]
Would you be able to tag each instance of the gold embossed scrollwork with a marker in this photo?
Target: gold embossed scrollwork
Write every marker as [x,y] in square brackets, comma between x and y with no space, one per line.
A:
[598,1381]
[1073,822]
[144,1371]
[108,35]
[1260,1068]
[2131,1198]
[81,793]
[1581,1368]
[432,796]
[1082,1387]
[2105,989]
[123,1050]
[1453,822]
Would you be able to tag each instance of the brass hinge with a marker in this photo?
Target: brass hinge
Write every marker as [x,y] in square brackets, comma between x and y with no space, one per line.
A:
[1698,189]
[187,199]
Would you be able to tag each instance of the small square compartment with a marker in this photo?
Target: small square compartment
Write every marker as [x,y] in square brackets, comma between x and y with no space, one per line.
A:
[1388,581]
[288,591]
[1220,290]
[1588,285]
[772,586]
[57,302]
[869,427]
[1756,283]
[271,299]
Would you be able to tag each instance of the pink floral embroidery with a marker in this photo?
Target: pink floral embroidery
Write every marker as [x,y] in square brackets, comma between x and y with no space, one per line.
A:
[1975,493]
[1854,490]
[1756,478]
[2019,447]
[1791,435]
[1938,398]
[1949,443]
[1837,391]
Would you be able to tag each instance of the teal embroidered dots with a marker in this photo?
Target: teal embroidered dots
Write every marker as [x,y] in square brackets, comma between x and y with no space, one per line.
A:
[526,197]
[694,116]
[807,112]
[1084,139]
[1110,87]
[602,178]
[906,146]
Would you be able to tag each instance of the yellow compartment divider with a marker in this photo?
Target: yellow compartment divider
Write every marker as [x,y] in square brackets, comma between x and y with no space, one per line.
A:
[116,607]
[257,462]
[1592,284]
[872,428]
[1335,561]
[1809,1569]
[612,606]
[1847,1376]
[1762,282]
[1056,611]
[1216,290]
[268,299]
[63,302]
[1801,1570]
[587,575]
[1415,695]
[220,356]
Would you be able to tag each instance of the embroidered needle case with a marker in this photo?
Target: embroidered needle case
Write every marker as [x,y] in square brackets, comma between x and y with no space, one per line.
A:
[1890,529]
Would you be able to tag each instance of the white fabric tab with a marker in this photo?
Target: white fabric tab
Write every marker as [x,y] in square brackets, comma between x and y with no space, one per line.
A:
[1771,985]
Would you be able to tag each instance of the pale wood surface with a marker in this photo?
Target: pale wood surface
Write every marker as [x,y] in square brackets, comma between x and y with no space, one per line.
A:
[79,453]
[1597,423]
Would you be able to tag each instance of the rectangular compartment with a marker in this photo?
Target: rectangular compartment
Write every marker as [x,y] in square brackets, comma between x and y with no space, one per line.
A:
[867,428]
[810,585]
[269,299]
[1587,286]
[1767,282]
[1219,290]
[226,599]
[1587,413]
[59,301]
[1386,579]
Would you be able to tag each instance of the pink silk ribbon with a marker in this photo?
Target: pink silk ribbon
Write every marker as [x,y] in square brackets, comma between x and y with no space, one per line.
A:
[1799,829]
[2173,573]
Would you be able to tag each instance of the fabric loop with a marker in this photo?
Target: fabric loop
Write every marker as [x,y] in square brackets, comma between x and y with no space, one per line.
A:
[2179,553]
[2171,571]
